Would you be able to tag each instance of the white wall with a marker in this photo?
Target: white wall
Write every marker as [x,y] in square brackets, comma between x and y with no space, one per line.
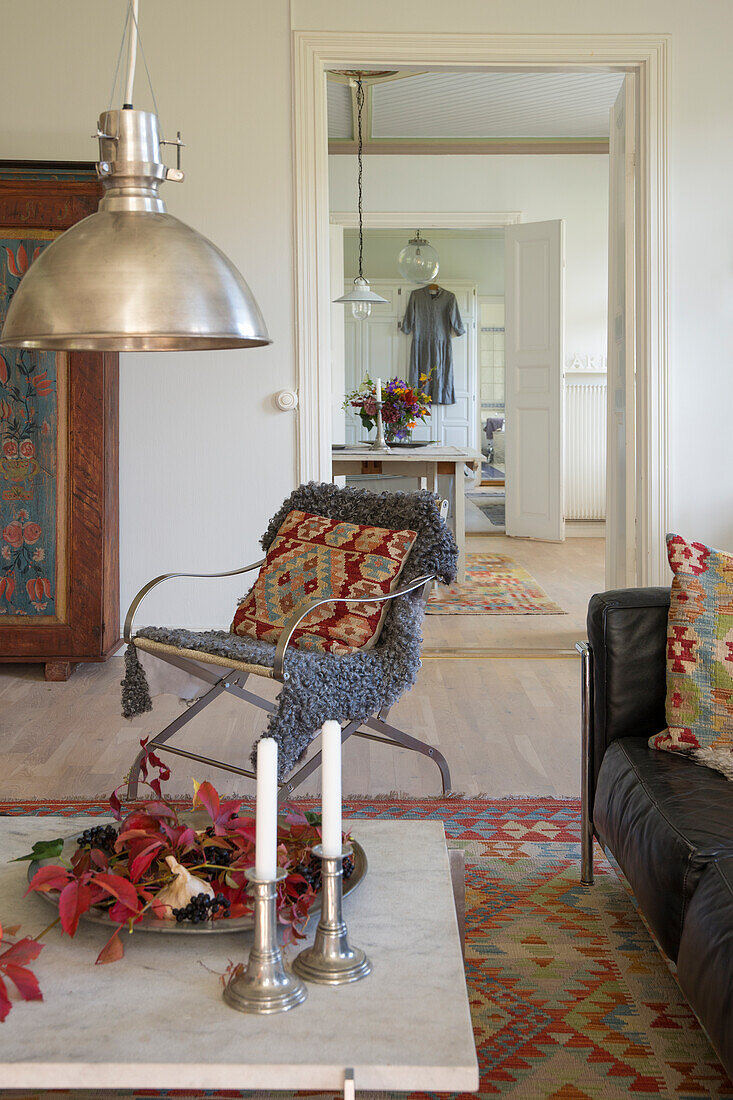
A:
[205,459]
[541,187]
[701,212]
[480,259]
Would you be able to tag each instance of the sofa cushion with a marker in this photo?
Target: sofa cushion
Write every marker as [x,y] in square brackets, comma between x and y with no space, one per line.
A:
[314,557]
[699,704]
[664,819]
[705,960]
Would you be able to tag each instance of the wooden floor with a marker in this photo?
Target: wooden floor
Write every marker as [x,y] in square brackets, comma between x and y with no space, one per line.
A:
[507,726]
[569,572]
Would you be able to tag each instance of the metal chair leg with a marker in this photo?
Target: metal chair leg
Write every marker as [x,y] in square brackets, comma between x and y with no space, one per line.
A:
[165,735]
[586,777]
[293,781]
[406,741]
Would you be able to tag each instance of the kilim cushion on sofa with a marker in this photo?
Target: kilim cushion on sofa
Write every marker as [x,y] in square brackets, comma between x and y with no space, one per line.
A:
[314,557]
[699,705]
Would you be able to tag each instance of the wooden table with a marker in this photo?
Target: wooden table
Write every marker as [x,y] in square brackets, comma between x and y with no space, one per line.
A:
[423,463]
[157,1020]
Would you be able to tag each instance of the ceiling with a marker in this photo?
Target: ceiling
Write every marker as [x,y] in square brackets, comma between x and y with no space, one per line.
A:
[475,107]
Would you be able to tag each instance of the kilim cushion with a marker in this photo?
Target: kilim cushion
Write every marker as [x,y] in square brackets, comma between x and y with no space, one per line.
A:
[699,706]
[314,557]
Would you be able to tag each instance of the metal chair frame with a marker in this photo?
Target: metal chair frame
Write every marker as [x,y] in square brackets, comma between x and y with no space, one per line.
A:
[233,682]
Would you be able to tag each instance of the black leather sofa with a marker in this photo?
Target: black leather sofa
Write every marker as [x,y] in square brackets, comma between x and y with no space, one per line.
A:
[667,821]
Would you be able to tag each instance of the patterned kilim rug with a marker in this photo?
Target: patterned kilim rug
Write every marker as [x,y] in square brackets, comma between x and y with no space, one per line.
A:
[569,995]
[495,585]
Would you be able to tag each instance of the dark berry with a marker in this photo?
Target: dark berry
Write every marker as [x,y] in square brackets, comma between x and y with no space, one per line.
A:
[101,836]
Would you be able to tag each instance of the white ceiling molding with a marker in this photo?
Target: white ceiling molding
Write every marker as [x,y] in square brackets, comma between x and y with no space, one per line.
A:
[648,55]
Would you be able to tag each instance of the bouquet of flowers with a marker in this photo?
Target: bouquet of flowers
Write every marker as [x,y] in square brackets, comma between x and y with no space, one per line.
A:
[402,406]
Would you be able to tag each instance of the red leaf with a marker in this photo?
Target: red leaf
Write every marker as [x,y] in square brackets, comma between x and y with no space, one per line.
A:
[99,858]
[143,859]
[119,888]
[49,878]
[22,952]
[75,899]
[115,806]
[5,1004]
[25,982]
[112,951]
[4,369]
[207,797]
[22,259]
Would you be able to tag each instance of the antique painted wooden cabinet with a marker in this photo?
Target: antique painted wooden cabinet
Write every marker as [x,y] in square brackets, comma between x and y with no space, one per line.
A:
[59,538]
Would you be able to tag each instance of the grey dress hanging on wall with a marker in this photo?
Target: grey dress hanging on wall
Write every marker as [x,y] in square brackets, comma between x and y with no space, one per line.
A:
[432,319]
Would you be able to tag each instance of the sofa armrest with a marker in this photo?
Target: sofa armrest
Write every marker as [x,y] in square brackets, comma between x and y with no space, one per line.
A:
[627,634]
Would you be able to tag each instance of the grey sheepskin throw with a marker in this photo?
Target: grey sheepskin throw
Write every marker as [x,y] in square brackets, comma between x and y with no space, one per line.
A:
[321,685]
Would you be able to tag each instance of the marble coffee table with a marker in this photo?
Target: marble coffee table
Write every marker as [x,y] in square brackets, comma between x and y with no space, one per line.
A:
[156,1019]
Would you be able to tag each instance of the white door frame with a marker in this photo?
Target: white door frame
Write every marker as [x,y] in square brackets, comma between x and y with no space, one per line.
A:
[648,55]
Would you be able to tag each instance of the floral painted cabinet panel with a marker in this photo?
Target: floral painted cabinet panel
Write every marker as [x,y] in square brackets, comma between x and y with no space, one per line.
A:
[30,488]
[58,454]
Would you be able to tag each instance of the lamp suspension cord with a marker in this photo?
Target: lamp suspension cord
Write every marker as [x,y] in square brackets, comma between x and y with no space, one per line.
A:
[132,27]
[132,54]
[359,148]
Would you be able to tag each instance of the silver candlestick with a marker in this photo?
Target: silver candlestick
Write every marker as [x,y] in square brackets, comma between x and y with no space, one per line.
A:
[379,443]
[265,986]
[332,960]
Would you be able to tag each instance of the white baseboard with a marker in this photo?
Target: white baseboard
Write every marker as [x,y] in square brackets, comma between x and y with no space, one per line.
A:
[585,529]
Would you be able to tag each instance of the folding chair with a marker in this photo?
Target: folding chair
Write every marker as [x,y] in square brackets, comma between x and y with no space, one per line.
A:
[227,662]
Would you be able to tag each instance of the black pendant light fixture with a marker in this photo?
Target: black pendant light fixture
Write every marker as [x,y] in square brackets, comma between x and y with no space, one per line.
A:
[361,298]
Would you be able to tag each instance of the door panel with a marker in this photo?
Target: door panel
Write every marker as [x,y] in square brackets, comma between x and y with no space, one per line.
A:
[621,448]
[534,280]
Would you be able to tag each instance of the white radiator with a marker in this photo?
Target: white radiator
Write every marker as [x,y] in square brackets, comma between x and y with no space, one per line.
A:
[585,448]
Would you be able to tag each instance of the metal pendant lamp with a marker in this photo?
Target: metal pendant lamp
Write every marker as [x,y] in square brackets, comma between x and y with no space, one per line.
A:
[132,277]
[361,298]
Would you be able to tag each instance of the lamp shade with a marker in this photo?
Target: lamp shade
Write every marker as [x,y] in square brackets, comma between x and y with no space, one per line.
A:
[361,298]
[132,277]
[418,262]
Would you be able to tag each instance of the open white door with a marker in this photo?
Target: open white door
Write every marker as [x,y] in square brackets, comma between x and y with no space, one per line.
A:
[338,370]
[534,263]
[621,447]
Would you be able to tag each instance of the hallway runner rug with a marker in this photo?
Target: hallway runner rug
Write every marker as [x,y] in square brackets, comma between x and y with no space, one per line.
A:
[570,997]
[495,585]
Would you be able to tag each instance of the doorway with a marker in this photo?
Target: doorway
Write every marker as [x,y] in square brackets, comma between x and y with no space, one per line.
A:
[573,186]
[645,56]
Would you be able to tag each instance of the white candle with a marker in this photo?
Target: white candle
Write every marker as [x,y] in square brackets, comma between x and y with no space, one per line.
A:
[331,788]
[379,390]
[266,817]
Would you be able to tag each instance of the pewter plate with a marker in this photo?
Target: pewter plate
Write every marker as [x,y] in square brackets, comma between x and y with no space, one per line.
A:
[152,924]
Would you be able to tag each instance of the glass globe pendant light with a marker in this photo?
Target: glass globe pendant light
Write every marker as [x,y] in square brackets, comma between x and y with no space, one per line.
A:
[132,277]
[418,262]
[361,298]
